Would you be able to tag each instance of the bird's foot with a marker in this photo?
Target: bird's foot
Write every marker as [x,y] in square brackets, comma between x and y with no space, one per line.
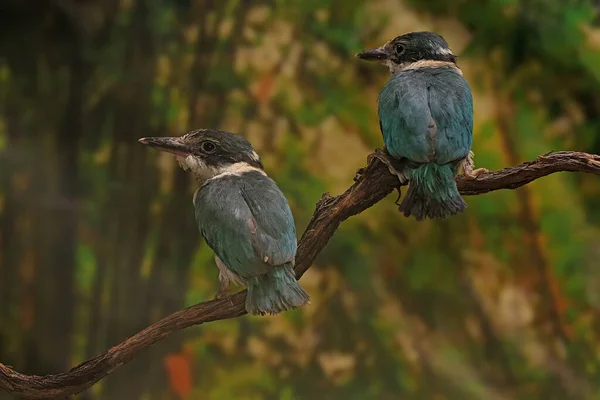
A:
[467,167]
[471,174]
[391,163]
[220,295]
[223,290]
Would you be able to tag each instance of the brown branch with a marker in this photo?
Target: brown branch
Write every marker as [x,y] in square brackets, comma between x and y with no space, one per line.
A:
[374,183]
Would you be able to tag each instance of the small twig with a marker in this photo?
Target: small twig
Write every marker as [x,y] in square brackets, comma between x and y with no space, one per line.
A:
[374,183]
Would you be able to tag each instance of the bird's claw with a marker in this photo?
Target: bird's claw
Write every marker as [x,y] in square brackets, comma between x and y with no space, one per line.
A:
[471,174]
[382,156]
[467,168]
[220,294]
[223,294]
[223,289]
[397,202]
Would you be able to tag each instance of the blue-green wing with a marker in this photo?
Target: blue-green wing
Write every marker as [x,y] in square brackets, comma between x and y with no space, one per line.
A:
[426,115]
[451,105]
[246,220]
[405,119]
[272,229]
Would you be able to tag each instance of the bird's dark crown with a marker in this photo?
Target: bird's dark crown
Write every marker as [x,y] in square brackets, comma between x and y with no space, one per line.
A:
[219,148]
[410,48]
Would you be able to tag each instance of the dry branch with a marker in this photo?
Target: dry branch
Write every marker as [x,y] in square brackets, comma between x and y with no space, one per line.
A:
[374,183]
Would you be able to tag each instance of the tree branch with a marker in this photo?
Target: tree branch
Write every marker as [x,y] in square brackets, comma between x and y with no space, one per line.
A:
[374,183]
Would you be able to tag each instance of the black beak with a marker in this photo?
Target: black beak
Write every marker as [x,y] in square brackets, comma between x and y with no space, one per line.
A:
[173,145]
[373,55]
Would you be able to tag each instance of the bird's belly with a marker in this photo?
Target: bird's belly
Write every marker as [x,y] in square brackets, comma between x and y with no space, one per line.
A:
[426,116]
[228,273]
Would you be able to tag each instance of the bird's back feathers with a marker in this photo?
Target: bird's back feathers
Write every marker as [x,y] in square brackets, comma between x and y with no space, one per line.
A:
[426,115]
[247,221]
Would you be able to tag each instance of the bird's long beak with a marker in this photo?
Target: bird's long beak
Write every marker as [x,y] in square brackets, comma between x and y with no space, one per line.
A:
[377,54]
[174,145]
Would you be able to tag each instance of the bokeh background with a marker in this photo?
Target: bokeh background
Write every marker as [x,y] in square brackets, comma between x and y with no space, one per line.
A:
[97,232]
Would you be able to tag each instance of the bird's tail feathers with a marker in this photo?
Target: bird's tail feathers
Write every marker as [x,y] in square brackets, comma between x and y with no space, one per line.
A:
[274,292]
[432,192]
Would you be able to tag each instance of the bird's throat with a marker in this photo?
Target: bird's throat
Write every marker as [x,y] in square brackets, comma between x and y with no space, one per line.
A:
[197,167]
[203,171]
[422,64]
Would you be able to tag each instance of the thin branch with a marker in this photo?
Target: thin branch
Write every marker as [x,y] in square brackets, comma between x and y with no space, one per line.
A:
[374,183]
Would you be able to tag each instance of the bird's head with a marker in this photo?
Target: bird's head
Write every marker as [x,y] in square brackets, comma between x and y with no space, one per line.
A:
[208,152]
[414,47]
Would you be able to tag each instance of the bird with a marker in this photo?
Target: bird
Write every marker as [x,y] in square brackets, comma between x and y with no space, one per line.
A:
[243,216]
[426,118]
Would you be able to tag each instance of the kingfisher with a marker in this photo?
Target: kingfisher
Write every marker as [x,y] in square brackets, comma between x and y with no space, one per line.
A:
[426,119]
[243,216]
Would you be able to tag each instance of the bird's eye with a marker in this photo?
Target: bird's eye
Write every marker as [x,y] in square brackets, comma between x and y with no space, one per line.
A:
[399,49]
[208,147]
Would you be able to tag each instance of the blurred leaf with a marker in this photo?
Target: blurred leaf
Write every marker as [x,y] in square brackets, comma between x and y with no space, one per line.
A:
[179,371]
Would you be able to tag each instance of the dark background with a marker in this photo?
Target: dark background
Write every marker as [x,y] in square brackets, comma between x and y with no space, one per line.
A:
[97,232]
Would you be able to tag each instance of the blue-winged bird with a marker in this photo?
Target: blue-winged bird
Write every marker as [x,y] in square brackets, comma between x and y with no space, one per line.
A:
[426,118]
[243,215]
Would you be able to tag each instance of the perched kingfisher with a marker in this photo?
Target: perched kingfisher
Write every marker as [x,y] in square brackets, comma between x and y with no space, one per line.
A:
[243,216]
[426,118]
